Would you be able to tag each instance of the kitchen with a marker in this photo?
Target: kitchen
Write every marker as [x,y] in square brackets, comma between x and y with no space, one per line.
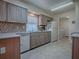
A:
[20,27]
[30,32]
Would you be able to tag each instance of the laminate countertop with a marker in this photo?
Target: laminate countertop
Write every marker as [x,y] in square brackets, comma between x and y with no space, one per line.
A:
[8,35]
[17,34]
[75,34]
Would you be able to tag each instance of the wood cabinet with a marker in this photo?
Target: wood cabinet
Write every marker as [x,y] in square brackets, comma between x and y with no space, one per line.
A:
[34,40]
[42,38]
[12,13]
[11,47]
[39,38]
[47,37]
[75,48]
[16,13]
[3,11]
[42,20]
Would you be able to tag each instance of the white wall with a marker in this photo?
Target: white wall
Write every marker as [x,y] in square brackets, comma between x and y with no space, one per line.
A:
[71,15]
[76,29]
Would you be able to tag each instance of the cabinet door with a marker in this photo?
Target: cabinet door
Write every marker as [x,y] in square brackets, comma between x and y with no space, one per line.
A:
[23,15]
[10,48]
[34,40]
[47,37]
[2,11]
[41,35]
[42,20]
[16,14]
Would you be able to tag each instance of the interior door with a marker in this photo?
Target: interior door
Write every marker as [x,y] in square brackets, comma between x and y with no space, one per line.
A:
[63,27]
[54,31]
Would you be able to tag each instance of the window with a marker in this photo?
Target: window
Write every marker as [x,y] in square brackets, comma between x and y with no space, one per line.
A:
[32,24]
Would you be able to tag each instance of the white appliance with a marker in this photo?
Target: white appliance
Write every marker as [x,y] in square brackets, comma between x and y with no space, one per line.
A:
[24,42]
[25,56]
[54,31]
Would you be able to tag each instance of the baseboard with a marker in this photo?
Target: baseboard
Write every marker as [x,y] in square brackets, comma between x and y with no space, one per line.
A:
[55,41]
[33,48]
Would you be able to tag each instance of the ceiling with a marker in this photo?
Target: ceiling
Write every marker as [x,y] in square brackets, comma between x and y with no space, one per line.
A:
[50,4]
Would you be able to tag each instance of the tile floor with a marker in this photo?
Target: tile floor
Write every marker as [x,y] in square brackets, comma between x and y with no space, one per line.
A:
[57,50]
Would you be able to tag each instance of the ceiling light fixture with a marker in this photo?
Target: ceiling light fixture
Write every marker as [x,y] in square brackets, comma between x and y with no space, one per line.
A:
[31,14]
[62,6]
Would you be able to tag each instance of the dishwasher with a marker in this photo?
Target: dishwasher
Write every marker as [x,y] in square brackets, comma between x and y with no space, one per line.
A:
[24,42]
[24,45]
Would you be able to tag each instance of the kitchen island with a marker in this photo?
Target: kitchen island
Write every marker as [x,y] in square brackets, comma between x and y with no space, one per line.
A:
[9,46]
[75,45]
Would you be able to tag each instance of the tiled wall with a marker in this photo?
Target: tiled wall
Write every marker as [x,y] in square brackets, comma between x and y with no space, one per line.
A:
[12,27]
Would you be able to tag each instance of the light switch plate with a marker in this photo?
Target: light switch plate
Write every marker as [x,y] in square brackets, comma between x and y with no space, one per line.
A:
[3,50]
[0,50]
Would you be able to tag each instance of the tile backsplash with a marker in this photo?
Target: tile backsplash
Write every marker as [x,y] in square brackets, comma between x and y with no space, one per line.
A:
[12,27]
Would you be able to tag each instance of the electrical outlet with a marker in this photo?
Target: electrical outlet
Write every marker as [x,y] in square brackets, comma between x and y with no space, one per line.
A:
[3,50]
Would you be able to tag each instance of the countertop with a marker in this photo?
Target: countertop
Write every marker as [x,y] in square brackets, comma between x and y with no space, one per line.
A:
[8,35]
[75,34]
[17,34]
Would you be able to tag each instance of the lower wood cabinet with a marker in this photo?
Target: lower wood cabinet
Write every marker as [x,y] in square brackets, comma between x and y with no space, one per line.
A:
[75,48]
[47,37]
[39,38]
[42,38]
[10,48]
[34,40]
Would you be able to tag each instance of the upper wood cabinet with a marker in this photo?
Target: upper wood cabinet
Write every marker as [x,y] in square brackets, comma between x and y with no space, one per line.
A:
[16,13]
[42,20]
[2,11]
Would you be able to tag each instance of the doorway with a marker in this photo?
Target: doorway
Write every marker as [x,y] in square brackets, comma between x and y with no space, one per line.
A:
[63,28]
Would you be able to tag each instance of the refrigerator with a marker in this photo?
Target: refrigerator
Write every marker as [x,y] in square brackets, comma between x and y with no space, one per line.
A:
[52,26]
